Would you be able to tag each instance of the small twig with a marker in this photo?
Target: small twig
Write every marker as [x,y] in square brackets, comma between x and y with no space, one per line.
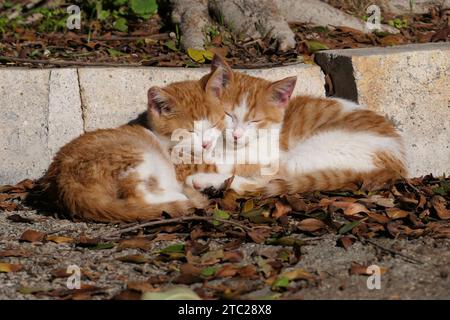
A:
[33,4]
[69,63]
[394,252]
[174,220]
[408,182]
[263,65]
[155,37]
[313,238]
[159,36]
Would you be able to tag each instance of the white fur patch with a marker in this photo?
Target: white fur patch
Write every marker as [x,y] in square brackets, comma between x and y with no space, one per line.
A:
[241,109]
[202,180]
[205,180]
[347,105]
[156,166]
[339,150]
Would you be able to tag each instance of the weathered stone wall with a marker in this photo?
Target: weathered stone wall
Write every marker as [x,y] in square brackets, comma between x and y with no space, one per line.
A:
[411,85]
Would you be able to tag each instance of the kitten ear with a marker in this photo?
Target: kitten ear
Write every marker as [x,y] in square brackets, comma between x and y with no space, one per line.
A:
[219,61]
[158,103]
[219,78]
[282,91]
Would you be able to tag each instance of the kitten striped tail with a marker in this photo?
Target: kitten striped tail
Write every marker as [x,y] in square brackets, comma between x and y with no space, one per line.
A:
[99,203]
[111,209]
[131,211]
[324,180]
[329,180]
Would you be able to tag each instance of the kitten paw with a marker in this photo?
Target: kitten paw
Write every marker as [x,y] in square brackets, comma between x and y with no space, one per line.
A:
[202,181]
[242,185]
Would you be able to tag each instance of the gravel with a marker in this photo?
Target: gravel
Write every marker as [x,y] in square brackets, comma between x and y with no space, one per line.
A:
[402,280]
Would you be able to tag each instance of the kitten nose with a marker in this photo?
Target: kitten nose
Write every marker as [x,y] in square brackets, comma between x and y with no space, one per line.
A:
[206,144]
[237,133]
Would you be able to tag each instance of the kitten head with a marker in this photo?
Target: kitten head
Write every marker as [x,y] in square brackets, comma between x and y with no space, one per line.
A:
[189,109]
[251,103]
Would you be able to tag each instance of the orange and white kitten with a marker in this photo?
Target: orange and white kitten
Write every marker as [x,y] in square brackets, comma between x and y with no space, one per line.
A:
[112,175]
[324,144]
[250,104]
[126,173]
[195,109]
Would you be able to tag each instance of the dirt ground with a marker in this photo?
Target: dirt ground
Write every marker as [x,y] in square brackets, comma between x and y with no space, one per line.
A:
[39,38]
[424,277]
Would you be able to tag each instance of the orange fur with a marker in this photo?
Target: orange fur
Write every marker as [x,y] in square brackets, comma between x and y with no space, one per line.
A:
[86,179]
[187,101]
[302,118]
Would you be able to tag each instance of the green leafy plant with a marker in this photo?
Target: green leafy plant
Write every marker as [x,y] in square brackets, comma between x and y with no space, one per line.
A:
[52,20]
[212,32]
[112,14]
[398,23]
[115,14]
[144,8]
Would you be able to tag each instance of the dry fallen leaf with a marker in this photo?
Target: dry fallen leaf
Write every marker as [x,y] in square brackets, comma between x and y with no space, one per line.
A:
[259,235]
[233,256]
[141,286]
[380,201]
[60,239]
[298,274]
[135,243]
[359,269]
[248,271]
[346,241]
[229,201]
[19,218]
[297,203]
[311,225]
[281,210]
[22,186]
[439,204]
[211,257]
[378,217]
[396,213]
[164,237]
[32,236]
[227,271]
[174,293]
[9,267]
[351,208]
[86,242]
[14,253]
[282,281]
[392,40]
[128,294]
[60,273]
[135,258]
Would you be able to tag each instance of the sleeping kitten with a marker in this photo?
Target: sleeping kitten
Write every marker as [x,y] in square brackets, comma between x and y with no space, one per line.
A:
[127,174]
[250,104]
[324,144]
[195,109]
[337,144]
[112,175]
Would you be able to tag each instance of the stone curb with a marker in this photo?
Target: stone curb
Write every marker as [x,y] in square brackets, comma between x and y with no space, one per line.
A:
[411,85]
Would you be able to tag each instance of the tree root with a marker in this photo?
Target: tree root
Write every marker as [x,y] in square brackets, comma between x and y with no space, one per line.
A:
[270,18]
